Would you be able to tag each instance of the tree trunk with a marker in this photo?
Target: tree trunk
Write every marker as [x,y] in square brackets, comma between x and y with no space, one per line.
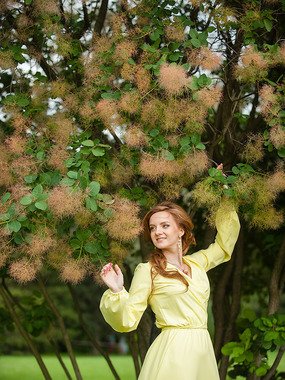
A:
[133,345]
[235,304]
[101,17]
[90,334]
[10,306]
[219,307]
[62,328]
[59,358]
[144,333]
[277,281]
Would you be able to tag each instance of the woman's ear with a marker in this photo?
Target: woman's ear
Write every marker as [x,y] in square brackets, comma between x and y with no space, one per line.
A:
[181,233]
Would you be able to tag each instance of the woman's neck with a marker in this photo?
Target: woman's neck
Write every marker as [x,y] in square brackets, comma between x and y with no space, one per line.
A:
[173,257]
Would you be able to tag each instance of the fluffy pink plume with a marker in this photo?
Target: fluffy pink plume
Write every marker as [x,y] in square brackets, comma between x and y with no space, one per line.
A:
[173,78]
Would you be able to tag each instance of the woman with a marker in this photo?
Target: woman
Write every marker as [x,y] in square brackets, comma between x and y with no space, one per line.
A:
[177,289]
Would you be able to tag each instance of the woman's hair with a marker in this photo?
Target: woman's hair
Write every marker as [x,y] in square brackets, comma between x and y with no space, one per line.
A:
[157,259]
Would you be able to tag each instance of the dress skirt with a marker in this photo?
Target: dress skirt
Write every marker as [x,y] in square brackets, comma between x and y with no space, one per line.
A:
[180,354]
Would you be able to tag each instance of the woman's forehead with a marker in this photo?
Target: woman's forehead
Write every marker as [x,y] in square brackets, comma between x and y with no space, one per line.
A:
[161,216]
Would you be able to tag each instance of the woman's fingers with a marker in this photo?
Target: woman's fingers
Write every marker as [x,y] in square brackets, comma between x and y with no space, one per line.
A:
[109,267]
[117,269]
[106,268]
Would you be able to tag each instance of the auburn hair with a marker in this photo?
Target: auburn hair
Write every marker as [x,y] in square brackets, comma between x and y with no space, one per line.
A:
[157,259]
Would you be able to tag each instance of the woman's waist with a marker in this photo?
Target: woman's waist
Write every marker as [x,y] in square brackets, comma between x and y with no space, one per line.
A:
[183,327]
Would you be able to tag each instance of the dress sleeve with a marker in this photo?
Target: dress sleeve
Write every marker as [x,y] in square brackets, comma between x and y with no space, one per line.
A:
[123,310]
[228,227]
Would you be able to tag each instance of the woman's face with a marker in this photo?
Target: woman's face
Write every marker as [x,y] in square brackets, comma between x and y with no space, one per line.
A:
[164,231]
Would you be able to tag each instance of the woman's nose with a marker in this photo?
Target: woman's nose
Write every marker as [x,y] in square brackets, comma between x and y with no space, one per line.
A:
[158,231]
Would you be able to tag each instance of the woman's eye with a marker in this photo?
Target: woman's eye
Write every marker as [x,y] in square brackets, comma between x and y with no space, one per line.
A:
[166,225]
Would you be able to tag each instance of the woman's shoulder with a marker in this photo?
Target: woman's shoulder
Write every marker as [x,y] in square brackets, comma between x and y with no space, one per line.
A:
[197,258]
[143,267]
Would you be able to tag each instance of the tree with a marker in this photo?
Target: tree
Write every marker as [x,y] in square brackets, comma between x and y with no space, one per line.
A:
[127,103]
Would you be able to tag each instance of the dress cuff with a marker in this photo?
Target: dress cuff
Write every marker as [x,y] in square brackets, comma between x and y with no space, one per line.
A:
[123,291]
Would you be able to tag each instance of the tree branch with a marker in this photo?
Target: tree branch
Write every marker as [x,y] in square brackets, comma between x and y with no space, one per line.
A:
[275,364]
[274,286]
[101,17]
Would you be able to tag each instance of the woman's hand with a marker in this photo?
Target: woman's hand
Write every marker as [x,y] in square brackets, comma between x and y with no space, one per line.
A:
[113,277]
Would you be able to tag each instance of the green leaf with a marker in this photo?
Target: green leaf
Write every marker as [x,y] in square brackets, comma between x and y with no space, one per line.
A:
[5,197]
[42,205]
[75,243]
[69,162]
[38,190]
[167,155]
[187,43]
[94,188]
[245,336]
[268,24]
[83,235]
[270,335]
[154,132]
[67,182]
[150,49]
[195,42]
[229,192]
[14,226]
[212,172]
[40,155]
[88,143]
[200,146]
[235,170]
[72,174]
[111,95]
[22,100]
[85,167]
[50,178]
[28,2]
[108,212]
[184,141]
[193,33]
[30,178]
[154,35]
[26,200]
[91,204]
[174,57]
[196,139]
[261,371]
[131,61]
[107,199]
[281,152]
[227,349]
[204,80]
[4,217]
[98,151]
[91,247]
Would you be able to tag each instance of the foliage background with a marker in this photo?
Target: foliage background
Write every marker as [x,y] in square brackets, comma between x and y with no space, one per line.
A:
[110,107]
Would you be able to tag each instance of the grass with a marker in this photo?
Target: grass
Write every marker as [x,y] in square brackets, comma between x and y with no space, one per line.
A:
[92,368]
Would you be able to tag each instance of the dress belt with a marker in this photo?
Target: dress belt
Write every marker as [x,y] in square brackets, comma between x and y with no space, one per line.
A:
[183,327]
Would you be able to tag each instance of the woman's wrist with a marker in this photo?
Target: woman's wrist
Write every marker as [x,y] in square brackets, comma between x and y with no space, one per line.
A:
[116,290]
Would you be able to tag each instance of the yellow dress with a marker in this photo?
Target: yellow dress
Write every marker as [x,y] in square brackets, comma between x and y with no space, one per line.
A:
[183,350]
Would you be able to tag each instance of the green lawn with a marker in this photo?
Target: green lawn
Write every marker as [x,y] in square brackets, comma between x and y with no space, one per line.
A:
[92,368]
